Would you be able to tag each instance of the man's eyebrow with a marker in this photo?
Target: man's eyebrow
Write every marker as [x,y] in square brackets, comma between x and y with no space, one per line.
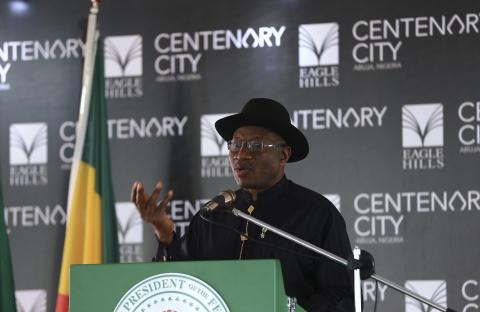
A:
[251,138]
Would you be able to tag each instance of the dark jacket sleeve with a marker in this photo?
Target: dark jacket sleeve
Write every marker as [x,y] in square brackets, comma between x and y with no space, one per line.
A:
[333,280]
[181,248]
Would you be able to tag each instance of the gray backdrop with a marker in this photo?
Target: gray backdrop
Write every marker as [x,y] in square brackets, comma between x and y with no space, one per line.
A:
[385,91]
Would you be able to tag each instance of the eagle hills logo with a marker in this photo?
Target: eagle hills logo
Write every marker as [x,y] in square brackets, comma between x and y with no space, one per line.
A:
[34,300]
[28,154]
[123,66]
[123,56]
[422,125]
[422,136]
[129,223]
[212,144]
[318,44]
[28,143]
[435,290]
[334,199]
[130,232]
[213,149]
[318,55]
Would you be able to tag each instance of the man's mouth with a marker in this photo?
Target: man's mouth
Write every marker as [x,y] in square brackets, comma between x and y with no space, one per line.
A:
[242,169]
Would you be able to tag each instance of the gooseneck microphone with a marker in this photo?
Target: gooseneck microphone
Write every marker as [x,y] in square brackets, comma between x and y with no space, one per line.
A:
[223,200]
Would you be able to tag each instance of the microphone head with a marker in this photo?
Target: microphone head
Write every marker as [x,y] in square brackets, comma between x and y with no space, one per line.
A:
[224,199]
[229,197]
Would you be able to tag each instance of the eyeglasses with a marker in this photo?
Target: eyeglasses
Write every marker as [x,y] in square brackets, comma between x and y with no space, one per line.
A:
[251,146]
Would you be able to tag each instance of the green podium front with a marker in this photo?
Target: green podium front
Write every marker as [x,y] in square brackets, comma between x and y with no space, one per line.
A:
[196,286]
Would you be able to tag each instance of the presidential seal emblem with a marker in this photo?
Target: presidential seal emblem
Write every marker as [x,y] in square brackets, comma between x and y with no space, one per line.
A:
[171,292]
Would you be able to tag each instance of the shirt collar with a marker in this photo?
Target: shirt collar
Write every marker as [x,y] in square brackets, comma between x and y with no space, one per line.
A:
[268,194]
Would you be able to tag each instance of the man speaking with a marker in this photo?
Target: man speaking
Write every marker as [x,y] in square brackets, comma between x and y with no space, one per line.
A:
[261,141]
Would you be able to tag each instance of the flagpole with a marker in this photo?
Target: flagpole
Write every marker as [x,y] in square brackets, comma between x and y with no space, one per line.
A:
[85,99]
[89,229]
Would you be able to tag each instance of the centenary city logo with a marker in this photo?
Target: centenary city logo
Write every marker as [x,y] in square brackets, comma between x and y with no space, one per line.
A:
[318,55]
[469,132]
[34,216]
[373,291]
[16,51]
[381,214]
[34,300]
[213,149]
[380,41]
[379,218]
[4,68]
[130,232]
[339,118]
[180,53]
[422,136]
[471,294]
[28,154]
[435,290]
[172,292]
[123,66]
[123,129]
[376,49]
[181,211]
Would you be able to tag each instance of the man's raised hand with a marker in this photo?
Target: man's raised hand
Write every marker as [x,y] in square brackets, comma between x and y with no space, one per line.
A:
[154,212]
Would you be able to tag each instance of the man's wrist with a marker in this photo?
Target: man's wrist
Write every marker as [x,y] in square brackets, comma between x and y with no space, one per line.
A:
[164,237]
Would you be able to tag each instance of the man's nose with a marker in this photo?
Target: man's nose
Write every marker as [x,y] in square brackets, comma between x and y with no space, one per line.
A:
[244,153]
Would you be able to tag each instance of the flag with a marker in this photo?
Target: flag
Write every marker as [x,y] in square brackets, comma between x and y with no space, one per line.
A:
[7,286]
[91,230]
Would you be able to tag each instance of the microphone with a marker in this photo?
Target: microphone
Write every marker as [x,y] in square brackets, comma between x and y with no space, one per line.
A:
[224,199]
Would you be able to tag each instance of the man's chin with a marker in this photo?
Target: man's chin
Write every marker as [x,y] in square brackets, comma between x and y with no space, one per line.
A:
[243,183]
[247,185]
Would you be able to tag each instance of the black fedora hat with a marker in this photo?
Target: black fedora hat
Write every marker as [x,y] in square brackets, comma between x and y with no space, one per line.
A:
[268,114]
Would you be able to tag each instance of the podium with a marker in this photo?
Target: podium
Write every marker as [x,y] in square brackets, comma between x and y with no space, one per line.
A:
[197,286]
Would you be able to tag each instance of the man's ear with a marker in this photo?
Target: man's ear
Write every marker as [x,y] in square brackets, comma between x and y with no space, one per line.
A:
[285,154]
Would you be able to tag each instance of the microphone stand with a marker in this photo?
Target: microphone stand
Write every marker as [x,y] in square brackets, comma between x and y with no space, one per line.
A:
[366,269]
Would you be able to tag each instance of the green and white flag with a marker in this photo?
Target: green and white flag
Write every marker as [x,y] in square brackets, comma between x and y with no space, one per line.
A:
[7,286]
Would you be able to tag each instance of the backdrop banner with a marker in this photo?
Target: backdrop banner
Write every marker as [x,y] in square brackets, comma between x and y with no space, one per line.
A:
[386,92]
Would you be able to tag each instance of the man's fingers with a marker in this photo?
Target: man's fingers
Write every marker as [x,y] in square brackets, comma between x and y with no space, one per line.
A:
[147,205]
[156,192]
[140,193]
[137,197]
[133,194]
[168,197]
